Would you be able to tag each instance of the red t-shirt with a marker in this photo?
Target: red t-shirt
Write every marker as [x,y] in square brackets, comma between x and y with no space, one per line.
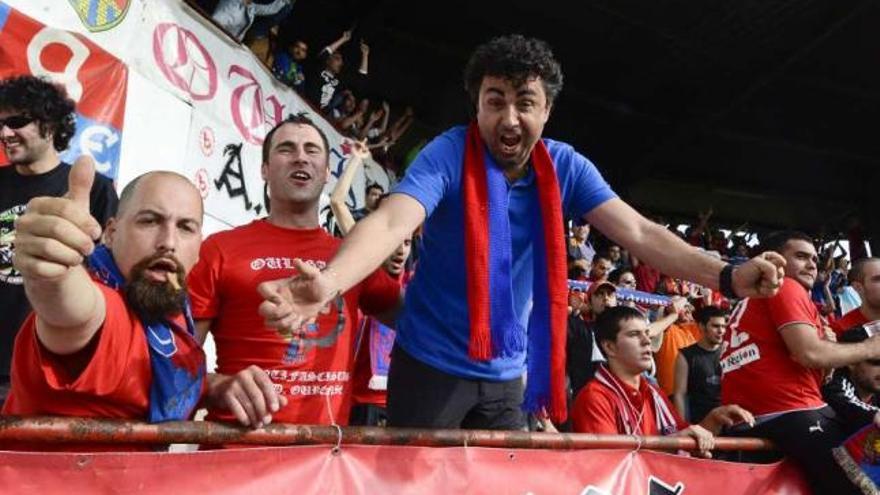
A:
[758,372]
[114,382]
[849,320]
[596,409]
[313,369]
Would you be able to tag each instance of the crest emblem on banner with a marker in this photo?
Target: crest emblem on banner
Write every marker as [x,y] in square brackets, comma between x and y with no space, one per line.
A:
[100,15]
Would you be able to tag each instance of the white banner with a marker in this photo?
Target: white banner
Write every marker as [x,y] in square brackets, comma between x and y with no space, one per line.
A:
[198,103]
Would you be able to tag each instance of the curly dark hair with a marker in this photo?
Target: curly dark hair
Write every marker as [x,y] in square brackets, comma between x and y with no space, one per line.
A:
[45,101]
[515,58]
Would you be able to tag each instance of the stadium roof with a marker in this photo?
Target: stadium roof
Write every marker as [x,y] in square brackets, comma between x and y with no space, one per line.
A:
[761,109]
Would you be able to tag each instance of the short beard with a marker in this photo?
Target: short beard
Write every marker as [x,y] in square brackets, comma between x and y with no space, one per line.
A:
[154,301]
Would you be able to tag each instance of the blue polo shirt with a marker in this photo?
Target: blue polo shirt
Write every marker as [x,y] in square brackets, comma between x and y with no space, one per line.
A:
[433,326]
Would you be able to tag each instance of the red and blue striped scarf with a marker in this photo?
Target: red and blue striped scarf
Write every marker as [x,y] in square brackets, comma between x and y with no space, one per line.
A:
[176,384]
[494,328]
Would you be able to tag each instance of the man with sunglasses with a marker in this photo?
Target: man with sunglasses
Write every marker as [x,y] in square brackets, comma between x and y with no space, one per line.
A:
[36,123]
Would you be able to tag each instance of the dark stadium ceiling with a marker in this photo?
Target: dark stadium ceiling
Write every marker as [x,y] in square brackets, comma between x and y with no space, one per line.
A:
[766,110]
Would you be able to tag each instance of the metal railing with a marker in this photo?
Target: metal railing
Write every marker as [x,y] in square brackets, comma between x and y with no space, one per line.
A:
[86,430]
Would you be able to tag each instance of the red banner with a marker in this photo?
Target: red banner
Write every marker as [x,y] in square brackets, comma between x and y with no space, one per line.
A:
[354,469]
[94,79]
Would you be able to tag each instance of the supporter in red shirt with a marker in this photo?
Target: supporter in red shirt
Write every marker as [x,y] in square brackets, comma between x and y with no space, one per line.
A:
[773,360]
[303,376]
[618,400]
[85,350]
[864,277]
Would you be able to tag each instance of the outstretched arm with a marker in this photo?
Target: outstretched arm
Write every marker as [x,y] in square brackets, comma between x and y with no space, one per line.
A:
[52,240]
[761,276]
[290,302]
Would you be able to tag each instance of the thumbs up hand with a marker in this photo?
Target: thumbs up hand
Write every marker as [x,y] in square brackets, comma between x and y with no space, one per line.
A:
[55,234]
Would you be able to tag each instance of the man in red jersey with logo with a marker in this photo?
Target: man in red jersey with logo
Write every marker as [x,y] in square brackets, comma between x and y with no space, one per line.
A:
[111,334]
[773,361]
[302,376]
[864,277]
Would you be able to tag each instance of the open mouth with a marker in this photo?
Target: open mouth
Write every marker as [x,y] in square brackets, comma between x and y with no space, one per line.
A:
[162,270]
[300,175]
[510,143]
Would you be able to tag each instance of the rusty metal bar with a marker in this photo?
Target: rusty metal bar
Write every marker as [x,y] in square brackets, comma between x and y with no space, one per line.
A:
[85,430]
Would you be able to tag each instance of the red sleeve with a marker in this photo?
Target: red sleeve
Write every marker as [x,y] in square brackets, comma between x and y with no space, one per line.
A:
[791,305]
[203,279]
[110,359]
[379,293]
[593,412]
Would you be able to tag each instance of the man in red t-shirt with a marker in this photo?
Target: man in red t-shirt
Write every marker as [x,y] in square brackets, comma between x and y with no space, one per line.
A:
[864,277]
[303,376]
[84,350]
[619,400]
[773,359]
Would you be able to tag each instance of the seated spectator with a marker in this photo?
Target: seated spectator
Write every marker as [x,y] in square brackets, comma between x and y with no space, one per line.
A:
[323,86]
[623,278]
[580,252]
[618,400]
[288,65]
[615,256]
[600,268]
[111,334]
[237,16]
[698,369]
[854,390]
[864,277]
[581,350]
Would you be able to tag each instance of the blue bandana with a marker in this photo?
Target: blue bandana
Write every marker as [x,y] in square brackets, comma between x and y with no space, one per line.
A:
[175,390]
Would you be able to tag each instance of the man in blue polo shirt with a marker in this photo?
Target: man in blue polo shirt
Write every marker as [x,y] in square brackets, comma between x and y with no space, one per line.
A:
[435,381]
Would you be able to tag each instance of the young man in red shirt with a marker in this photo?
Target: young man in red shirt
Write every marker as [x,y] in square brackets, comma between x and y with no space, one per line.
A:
[774,359]
[110,335]
[864,277]
[619,400]
[300,376]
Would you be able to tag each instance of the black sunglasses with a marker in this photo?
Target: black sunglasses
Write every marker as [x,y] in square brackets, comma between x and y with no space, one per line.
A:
[16,122]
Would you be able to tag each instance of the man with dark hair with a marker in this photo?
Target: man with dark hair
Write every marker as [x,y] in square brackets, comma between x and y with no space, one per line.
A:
[774,358]
[600,268]
[323,86]
[302,374]
[288,65]
[36,123]
[864,277]
[854,390]
[618,400]
[372,195]
[698,368]
[494,187]
[111,335]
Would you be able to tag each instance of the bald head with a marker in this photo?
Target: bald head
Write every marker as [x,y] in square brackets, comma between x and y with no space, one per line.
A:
[129,192]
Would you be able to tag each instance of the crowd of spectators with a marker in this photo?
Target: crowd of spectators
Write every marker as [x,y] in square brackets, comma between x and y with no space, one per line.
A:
[647,352]
[335,87]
